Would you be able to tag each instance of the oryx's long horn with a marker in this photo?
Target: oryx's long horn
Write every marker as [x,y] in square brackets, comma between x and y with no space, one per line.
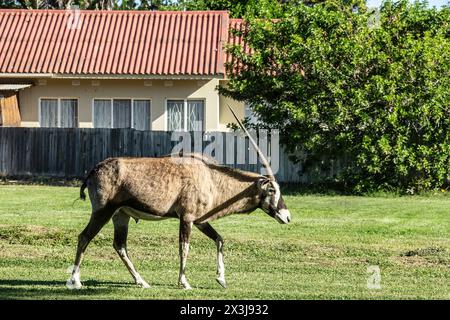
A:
[264,161]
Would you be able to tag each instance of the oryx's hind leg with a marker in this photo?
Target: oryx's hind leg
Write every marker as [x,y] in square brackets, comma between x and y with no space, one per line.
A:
[98,219]
[185,233]
[209,231]
[120,221]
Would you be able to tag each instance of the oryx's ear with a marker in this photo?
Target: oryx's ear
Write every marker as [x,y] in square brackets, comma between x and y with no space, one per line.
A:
[263,184]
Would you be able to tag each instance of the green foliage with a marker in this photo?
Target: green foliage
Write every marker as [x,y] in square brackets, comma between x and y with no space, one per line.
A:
[374,94]
[237,8]
[54,4]
[8,4]
[255,8]
[92,4]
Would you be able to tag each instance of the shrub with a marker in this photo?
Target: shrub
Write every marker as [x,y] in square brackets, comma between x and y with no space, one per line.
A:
[346,84]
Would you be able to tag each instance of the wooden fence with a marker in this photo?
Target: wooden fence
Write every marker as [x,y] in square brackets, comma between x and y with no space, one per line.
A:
[72,152]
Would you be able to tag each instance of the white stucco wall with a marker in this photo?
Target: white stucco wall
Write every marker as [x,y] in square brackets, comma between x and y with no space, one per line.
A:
[217,115]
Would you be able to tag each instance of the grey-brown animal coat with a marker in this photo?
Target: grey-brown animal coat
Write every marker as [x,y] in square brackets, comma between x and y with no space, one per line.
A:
[189,188]
[192,188]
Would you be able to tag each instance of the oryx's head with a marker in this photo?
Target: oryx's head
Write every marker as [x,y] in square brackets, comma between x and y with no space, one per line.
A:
[272,201]
[269,191]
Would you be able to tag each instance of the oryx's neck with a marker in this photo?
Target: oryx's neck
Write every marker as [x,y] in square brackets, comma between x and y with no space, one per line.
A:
[238,189]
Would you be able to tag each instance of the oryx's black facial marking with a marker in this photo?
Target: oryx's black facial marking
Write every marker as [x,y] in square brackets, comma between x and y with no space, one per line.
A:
[272,202]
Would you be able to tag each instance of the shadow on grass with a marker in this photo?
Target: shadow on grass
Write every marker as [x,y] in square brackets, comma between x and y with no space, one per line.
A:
[13,289]
[42,289]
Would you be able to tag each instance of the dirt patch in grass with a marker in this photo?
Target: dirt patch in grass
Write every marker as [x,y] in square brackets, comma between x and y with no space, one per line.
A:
[424,252]
[426,256]
[34,235]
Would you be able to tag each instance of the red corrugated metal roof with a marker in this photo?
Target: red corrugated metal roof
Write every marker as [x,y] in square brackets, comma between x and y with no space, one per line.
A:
[113,42]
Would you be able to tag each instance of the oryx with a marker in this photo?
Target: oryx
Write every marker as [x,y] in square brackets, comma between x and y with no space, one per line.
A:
[193,189]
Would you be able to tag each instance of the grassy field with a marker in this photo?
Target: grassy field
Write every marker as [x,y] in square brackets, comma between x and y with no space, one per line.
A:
[323,254]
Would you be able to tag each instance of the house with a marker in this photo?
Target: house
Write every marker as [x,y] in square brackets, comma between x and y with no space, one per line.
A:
[148,70]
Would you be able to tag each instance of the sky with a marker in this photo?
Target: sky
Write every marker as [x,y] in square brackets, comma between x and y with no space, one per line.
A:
[432,3]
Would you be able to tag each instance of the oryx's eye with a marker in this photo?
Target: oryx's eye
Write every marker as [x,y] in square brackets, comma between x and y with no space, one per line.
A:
[271,191]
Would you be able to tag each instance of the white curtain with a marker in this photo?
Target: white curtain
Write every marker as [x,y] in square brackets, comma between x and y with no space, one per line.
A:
[49,112]
[141,114]
[102,113]
[121,113]
[68,113]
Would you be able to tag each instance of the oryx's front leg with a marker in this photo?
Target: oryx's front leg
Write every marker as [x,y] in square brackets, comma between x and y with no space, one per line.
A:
[185,233]
[209,231]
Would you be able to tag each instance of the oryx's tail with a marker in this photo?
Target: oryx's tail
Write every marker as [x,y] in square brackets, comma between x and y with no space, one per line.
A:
[84,185]
[82,194]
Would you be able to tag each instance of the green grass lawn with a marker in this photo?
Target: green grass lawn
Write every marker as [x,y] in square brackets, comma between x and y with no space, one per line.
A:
[323,254]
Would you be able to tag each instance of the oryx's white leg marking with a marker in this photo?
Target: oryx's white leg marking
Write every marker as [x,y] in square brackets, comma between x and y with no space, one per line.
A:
[183,256]
[74,280]
[220,264]
[136,276]
[185,232]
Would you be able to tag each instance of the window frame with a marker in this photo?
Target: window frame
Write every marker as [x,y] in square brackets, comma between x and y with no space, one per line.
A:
[185,108]
[112,111]
[58,118]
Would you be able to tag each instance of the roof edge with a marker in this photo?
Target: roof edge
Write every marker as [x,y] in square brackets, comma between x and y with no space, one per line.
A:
[112,76]
[115,11]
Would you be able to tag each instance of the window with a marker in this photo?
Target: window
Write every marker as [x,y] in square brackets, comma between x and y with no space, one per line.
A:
[185,115]
[122,113]
[62,113]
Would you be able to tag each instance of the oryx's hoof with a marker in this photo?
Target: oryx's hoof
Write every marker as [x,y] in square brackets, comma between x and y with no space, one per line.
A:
[185,285]
[73,284]
[143,284]
[182,281]
[222,282]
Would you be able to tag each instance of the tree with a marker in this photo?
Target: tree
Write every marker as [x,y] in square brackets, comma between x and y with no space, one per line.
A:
[64,4]
[8,4]
[377,96]
[236,8]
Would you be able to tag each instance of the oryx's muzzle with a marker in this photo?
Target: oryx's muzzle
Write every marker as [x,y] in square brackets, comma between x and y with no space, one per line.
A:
[283,216]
